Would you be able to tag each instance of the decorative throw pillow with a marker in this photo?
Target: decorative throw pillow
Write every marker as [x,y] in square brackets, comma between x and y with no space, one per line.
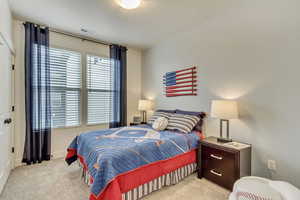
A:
[182,123]
[157,115]
[160,124]
[201,115]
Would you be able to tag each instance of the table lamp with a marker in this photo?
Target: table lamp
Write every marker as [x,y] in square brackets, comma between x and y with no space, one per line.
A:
[144,106]
[224,110]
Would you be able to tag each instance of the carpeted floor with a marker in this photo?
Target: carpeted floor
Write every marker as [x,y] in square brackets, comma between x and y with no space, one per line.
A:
[54,180]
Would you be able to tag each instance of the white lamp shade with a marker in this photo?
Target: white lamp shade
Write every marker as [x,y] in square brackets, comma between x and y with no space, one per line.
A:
[223,109]
[145,105]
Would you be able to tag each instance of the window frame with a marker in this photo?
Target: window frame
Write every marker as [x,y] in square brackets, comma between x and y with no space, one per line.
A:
[87,90]
[81,122]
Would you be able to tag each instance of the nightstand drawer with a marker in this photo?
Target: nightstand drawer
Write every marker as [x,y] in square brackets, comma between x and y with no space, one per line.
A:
[216,158]
[218,166]
[219,176]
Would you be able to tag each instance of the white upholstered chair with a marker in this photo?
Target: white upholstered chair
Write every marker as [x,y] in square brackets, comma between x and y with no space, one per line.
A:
[256,188]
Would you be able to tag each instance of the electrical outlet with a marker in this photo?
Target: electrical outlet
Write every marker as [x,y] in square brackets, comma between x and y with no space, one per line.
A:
[272,165]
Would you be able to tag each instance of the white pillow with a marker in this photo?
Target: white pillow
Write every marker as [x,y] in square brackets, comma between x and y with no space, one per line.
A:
[160,123]
[157,115]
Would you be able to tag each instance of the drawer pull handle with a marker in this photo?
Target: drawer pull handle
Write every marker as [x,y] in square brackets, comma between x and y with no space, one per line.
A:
[216,157]
[215,173]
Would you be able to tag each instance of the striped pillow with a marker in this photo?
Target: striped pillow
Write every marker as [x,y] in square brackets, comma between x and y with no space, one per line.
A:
[182,123]
[157,115]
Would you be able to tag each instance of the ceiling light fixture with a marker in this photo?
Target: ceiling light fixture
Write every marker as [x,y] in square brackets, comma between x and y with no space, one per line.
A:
[130,4]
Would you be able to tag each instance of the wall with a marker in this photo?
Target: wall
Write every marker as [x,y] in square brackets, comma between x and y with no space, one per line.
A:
[249,53]
[6,22]
[6,48]
[134,82]
[62,137]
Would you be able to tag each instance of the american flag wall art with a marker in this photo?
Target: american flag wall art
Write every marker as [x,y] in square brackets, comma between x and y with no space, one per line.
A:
[181,83]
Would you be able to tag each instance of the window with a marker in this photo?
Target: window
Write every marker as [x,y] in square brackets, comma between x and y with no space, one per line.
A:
[65,83]
[99,89]
[66,72]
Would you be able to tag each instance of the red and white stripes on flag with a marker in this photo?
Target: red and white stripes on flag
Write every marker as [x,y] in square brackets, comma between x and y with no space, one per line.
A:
[181,83]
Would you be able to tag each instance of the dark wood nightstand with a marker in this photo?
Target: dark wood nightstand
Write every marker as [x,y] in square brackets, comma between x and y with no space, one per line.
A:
[223,163]
[136,124]
[133,124]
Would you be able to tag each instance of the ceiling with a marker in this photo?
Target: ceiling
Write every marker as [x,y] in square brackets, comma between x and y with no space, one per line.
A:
[105,20]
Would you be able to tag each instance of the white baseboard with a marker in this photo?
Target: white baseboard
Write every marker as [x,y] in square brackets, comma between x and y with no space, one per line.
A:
[59,154]
[55,155]
[4,175]
[18,162]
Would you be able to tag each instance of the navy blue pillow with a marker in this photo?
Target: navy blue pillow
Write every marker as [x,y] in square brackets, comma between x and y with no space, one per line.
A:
[198,126]
[166,111]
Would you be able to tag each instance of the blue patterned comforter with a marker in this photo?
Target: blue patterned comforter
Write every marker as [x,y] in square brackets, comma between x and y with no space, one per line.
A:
[108,153]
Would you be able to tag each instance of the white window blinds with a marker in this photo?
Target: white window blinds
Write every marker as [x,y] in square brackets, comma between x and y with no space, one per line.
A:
[99,89]
[65,82]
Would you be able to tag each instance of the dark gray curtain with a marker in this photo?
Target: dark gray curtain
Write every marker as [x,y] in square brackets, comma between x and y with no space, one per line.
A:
[118,56]
[37,95]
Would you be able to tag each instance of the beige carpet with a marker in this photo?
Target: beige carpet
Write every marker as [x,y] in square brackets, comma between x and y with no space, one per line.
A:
[54,180]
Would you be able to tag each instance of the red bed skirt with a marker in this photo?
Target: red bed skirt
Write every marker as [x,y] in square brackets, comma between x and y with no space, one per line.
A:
[132,179]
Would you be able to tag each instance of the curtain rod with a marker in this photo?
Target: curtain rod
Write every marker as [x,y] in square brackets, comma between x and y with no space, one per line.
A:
[84,38]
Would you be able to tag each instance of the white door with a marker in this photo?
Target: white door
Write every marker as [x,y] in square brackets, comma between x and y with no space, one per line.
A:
[5,112]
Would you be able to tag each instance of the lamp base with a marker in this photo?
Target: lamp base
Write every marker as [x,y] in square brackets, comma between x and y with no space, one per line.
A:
[224,140]
[144,120]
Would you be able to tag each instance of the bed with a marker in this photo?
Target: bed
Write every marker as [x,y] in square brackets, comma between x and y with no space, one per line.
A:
[129,163]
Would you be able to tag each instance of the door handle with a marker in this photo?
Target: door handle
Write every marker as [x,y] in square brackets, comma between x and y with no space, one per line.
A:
[215,173]
[7,121]
[216,157]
